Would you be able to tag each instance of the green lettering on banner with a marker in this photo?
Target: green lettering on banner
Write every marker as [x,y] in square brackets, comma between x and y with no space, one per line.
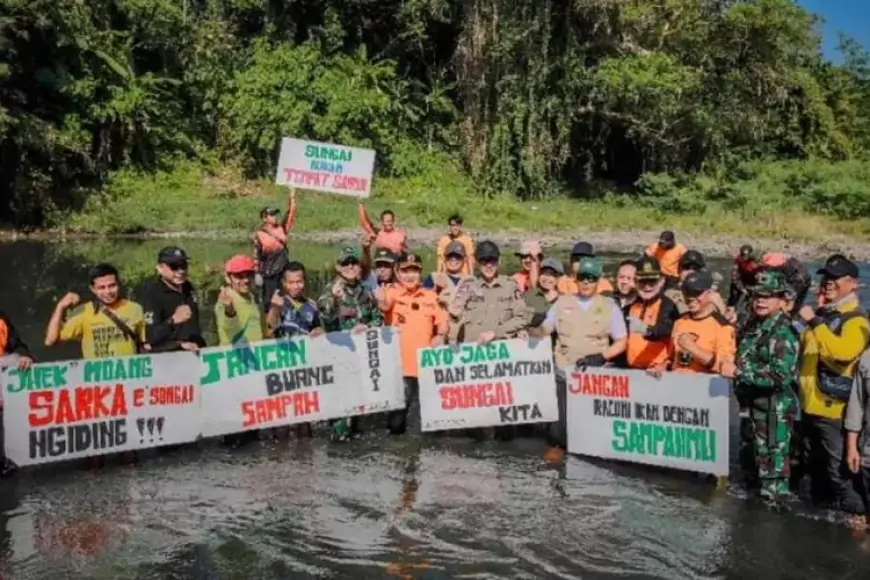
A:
[117,369]
[645,438]
[328,153]
[475,353]
[38,377]
[436,357]
[241,361]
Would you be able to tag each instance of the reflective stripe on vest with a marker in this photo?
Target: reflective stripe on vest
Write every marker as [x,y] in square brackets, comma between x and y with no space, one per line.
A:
[835,381]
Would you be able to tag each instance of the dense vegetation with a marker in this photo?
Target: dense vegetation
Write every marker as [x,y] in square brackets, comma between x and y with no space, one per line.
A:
[678,99]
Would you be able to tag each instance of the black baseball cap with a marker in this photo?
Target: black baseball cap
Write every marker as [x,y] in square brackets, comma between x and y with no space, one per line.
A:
[455,248]
[410,261]
[269,210]
[648,268]
[697,283]
[487,250]
[385,256]
[838,266]
[692,260]
[172,256]
[583,249]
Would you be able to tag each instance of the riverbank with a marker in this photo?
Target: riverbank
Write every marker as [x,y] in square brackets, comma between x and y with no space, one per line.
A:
[191,202]
[622,242]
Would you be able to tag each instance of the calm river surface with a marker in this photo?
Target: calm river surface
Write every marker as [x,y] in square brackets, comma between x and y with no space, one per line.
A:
[379,507]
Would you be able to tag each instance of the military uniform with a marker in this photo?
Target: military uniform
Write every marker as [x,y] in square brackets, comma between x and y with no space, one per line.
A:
[357,305]
[765,384]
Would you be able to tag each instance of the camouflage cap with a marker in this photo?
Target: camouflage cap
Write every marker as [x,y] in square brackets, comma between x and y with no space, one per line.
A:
[770,283]
[347,253]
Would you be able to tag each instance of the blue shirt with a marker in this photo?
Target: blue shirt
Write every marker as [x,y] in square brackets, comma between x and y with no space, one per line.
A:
[297,318]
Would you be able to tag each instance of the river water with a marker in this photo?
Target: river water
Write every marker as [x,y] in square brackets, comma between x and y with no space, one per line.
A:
[379,507]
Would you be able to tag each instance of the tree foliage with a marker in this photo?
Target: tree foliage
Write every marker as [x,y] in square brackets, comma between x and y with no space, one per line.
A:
[529,97]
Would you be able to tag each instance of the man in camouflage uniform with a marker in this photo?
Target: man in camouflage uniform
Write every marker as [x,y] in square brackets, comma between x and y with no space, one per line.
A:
[765,377]
[488,307]
[348,305]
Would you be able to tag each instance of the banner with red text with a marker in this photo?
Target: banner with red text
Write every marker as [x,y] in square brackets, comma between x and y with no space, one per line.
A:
[284,382]
[325,167]
[679,421]
[504,382]
[71,409]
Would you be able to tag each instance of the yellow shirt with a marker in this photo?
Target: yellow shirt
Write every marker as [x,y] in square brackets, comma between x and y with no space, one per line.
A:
[466,242]
[248,325]
[838,351]
[99,336]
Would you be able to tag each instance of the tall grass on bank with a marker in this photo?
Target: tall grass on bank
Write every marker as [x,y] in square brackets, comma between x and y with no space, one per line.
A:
[805,201]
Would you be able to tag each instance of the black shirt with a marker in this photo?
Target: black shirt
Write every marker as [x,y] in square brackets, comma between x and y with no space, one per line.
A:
[159,302]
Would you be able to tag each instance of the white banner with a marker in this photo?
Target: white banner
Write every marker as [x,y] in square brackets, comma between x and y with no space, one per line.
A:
[325,167]
[283,382]
[679,421]
[501,383]
[71,409]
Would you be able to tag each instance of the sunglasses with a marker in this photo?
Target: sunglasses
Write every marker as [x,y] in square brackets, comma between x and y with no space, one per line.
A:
[525,256]
[242,275]
[346,263]
[588,278]
[177,267]
[488,262]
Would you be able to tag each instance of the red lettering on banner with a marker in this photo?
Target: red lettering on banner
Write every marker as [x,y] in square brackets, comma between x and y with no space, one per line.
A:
[475,396]
[614,386]
[138,397]
[73,405]
[181,395]
[350,183]
[275,408]
[300,177]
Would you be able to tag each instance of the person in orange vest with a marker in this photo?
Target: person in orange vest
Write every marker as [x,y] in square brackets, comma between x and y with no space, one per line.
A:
[668,252]
[650,318]
[388,236]
[422,322]
[568,284]
[270,248]
[702,340]
[530,256]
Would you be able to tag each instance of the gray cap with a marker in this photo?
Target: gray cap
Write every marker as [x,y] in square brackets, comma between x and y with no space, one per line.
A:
[455,248]
[553,264]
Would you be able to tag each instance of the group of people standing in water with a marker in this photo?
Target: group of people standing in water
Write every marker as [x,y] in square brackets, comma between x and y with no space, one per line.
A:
[800,371]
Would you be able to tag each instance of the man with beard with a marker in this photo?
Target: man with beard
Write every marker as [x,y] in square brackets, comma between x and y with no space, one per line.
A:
[650,318]
[765,379]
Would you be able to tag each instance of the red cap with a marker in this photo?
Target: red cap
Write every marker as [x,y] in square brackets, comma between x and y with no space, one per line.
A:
[240,264]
